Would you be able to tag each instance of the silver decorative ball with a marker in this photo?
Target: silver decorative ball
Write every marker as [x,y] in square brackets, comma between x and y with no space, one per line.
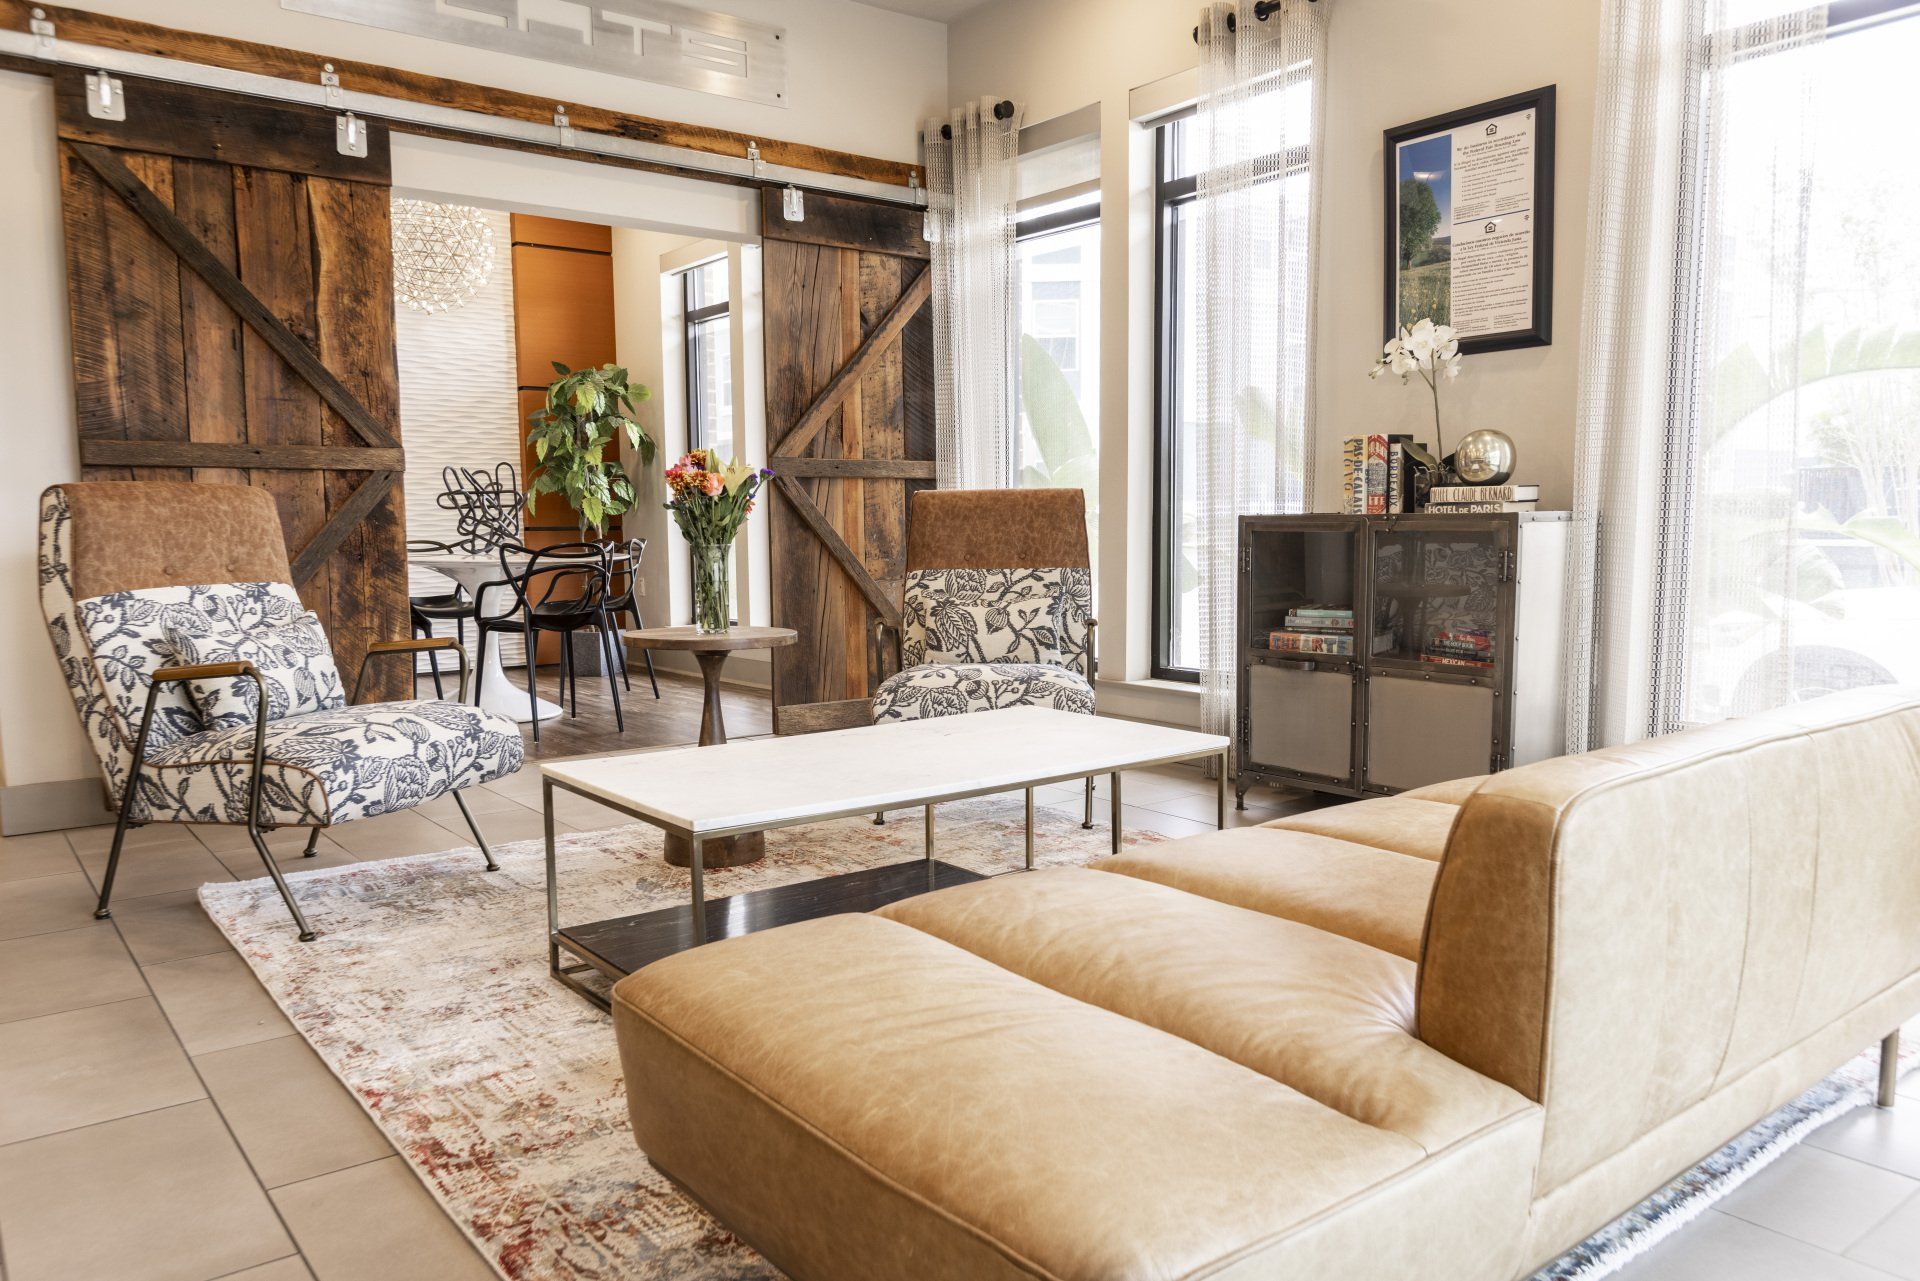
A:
[1484,458]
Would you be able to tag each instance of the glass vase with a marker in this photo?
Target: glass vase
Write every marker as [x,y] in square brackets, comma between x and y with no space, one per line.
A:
[712,599]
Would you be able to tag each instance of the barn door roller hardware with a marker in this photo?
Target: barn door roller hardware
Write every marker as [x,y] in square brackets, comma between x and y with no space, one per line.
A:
[106,97]
[1262,10]
[350,135]
[41,27]
[793,205]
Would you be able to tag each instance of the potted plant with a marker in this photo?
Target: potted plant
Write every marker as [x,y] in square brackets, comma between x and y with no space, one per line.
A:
[586,411]
[710,502]
[1427,349]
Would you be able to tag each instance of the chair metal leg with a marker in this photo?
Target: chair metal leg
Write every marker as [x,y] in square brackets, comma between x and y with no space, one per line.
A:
[313,838]
[613,685]
[480,672]
[120,826]
[478,839]
[880,819]
[533,687]
[566,675]
[1889,1069]
[280,883]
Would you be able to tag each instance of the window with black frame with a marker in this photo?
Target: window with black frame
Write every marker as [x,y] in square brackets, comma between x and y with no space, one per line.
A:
[709,342]
[1057,263]
[1177,415]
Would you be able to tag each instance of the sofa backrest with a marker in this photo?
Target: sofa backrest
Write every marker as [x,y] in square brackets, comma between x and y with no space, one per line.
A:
[1618,935]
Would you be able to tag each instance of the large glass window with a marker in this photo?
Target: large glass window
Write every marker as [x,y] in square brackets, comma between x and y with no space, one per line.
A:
[1057,256]
[709,341]
[1179,277]
[1803,506]
[709,358]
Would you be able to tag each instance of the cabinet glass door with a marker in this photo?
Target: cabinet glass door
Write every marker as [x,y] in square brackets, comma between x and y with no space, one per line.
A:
[1437,594]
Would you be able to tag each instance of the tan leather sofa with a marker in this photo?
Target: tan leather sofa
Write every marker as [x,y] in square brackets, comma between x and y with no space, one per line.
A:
[1446,1034]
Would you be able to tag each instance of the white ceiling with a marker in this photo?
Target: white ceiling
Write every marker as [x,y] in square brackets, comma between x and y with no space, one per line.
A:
[937,10]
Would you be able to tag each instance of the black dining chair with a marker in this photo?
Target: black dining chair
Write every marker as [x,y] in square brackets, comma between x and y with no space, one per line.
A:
[561,589]
[624,599]
[423,611]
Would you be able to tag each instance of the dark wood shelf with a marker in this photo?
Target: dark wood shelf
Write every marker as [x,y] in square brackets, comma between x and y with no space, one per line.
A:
[621,945]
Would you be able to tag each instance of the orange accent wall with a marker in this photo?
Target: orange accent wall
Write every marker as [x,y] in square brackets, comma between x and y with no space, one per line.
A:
[562,310]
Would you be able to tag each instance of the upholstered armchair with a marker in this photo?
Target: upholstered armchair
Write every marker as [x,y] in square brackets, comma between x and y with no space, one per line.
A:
[132,573]
[997,607]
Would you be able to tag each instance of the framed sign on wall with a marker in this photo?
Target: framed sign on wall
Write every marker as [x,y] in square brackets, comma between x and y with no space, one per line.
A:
[1469,222]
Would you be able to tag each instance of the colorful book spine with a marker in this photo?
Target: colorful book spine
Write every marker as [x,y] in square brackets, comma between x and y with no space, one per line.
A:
[1484,493]
[1376,493]
[1353,475]
[1466,509]
[1322,624]
[1319,611]
[1447,660]
[1396,470]
[1310,643]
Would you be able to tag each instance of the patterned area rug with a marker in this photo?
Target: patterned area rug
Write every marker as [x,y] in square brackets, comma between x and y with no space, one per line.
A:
[427,993]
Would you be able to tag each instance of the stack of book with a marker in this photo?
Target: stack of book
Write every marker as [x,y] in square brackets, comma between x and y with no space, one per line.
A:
[1483,498]
[1315,629]
[1376,476]
[1459,647]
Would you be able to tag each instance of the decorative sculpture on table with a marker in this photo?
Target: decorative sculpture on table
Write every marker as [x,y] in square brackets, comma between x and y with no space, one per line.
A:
[486,506]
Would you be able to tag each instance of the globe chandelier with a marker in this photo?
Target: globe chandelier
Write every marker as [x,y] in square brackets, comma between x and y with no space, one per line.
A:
[442,254]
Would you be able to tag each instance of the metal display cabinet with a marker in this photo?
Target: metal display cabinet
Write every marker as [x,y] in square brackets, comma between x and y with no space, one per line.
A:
[1404,709]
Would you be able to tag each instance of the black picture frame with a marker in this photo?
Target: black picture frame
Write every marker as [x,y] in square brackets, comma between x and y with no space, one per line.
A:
[1539,333]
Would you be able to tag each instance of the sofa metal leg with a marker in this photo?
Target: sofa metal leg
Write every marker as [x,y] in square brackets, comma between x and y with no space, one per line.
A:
[313,844]
[280,883]
[1889,1068]
[1116,811]
[1029,829]
[474,827]
[880,819]
[1087,822]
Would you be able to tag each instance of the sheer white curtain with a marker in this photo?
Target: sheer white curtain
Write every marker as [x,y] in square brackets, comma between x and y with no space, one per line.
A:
[972,195]
[1693,580]
[1257,135]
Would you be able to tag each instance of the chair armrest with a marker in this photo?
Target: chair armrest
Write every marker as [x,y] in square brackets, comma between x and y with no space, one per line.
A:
[412,645]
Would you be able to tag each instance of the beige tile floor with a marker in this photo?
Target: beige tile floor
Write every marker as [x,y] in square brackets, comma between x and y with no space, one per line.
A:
[160,1120]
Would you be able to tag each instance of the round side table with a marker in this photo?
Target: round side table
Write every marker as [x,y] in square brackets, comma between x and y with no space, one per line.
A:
[710,650]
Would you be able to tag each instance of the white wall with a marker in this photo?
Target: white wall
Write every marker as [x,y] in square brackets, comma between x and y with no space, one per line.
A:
[858,79]
[40,740]
[1384,69]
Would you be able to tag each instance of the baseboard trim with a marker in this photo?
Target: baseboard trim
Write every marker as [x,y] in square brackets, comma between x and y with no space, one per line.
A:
[52,807]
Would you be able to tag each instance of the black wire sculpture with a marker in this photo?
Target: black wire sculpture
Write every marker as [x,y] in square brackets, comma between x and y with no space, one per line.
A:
[486,506]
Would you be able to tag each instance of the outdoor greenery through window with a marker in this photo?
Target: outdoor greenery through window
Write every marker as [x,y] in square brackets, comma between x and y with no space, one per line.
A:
[1804,504]
[1057,258]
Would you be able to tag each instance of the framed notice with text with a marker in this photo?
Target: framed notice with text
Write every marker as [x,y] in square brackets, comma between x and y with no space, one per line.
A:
[1470,223]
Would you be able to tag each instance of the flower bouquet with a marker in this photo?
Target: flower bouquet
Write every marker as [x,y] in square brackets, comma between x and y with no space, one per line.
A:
[710,502]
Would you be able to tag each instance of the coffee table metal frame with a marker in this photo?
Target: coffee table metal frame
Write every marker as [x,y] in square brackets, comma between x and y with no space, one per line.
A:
[585,962]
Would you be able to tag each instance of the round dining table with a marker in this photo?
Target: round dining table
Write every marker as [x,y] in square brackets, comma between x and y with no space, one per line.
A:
[473,571]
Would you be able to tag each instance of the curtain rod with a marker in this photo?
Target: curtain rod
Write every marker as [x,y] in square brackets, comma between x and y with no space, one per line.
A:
[1262,9]
[1002,110]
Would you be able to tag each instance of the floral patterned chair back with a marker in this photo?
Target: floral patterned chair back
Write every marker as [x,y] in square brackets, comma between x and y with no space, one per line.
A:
[998,576]
[120,561]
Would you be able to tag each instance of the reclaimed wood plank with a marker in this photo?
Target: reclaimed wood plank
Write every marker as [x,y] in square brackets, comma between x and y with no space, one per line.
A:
[108,32]
[215,366]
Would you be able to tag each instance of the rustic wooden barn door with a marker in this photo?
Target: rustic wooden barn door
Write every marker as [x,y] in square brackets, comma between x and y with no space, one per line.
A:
[230,282]
[849,376]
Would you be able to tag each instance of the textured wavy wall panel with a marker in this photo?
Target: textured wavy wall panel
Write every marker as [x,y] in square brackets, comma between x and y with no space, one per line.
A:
[458,401]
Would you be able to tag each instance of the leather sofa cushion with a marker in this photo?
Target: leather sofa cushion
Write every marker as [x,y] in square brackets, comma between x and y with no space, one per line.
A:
[1319,1013]
[1403,824]
[1454,791]
[859,1099]
[1372,896]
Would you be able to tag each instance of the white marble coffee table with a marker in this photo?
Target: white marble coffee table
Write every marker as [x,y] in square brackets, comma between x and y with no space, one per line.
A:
[706,793]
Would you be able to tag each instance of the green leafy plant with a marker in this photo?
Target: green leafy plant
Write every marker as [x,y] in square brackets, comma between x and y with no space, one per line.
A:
[587,410]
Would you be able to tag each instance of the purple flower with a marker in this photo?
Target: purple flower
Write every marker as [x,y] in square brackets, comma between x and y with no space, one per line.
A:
[766,471]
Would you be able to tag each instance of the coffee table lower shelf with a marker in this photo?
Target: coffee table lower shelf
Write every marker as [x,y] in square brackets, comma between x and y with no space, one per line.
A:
[618,947]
